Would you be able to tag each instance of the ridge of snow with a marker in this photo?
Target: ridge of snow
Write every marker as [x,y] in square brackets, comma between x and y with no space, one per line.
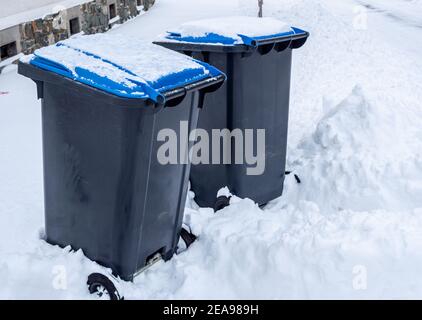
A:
[232,27]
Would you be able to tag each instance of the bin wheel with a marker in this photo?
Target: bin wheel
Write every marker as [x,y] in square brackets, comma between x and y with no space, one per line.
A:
[187,237]
[102,286]
[221,203]
[298,180]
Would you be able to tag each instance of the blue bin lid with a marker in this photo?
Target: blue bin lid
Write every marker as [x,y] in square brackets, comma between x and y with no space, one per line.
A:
[231,31]
[129,68]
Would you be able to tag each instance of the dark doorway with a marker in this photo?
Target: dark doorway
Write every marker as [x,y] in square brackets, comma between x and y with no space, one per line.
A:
[112,11]
[8,50]
[74,26]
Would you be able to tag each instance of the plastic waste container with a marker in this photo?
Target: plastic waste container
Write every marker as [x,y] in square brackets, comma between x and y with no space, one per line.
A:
[256,55]
[104,101]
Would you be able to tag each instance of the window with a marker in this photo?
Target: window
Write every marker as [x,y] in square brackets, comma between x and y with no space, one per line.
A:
[8,50]
[74,26]
[112,10]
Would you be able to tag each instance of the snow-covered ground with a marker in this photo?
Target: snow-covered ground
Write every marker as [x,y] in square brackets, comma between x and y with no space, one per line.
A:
[351,229]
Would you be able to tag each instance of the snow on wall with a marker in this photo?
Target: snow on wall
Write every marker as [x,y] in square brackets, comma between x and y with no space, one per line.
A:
[22,11]
[11,7]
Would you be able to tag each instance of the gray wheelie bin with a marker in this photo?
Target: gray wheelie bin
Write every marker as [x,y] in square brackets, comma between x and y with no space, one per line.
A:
[104,101]
[256,55]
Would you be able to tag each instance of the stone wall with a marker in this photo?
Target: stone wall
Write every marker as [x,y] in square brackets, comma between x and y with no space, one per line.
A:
[42,32]
[95,17]
[126,9]
[148,4]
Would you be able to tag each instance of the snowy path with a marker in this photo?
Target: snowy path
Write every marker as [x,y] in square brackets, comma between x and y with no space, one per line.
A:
[408,13]
[355,140]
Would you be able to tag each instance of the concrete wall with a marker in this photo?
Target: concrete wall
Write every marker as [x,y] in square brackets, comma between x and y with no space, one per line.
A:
[10,35]
[108,2]
[72,13]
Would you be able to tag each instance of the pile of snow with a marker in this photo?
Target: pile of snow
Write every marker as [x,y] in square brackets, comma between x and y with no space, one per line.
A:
[351,229]
[343,167]
[232,27]
[291,251]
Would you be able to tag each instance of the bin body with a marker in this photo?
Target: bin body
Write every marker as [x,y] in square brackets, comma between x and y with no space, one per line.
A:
[255,96]
[105,191]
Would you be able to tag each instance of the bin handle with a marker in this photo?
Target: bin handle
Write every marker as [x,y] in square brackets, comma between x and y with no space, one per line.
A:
[151,92]
[281,46]
[265,49]
[175,97]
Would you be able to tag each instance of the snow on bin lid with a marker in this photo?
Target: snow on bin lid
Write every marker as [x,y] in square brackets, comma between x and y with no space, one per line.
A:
[128,68]
[231,31]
